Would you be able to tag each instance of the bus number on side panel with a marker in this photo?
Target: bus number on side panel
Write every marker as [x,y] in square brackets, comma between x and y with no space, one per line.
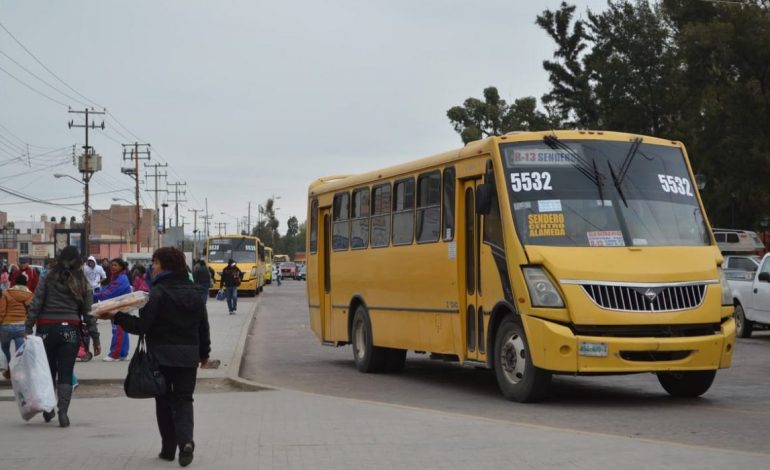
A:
[531,181]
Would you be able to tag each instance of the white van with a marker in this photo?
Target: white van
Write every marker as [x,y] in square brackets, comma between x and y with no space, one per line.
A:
[738,241]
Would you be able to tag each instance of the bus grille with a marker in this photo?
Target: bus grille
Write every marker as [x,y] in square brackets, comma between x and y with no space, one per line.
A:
[646,299]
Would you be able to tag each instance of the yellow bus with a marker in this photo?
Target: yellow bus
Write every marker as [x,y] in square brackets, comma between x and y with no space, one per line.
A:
[268,265]
[248,253]
[531,254]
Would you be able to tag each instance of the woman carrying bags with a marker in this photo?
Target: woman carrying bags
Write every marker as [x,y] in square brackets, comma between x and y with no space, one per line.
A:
[118,286]
[176,327]
[61,303]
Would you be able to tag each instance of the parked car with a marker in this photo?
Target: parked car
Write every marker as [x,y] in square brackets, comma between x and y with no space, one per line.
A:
[751,297]
[742,262]
[289,270]
[738,241]
[302,272]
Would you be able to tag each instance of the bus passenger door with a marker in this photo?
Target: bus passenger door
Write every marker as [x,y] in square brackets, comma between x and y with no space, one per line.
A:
[324,273]
[473,318]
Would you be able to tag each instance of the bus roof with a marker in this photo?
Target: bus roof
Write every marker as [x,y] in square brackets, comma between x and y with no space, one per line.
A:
[472,149]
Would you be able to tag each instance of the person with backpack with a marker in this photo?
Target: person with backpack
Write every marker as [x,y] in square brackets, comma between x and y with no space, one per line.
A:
[202,277]
[14,302]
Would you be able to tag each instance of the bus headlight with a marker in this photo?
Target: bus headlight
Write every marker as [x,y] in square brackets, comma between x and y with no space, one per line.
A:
[541,290]
[727,293]
[254,272]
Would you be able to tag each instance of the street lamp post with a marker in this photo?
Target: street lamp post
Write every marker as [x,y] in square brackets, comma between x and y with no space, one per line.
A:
[86,221]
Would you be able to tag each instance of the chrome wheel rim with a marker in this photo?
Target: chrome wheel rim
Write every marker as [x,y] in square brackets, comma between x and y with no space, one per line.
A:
[513,358]
[359,339]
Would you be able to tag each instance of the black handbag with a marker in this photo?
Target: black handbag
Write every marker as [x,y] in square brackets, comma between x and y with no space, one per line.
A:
[144,379]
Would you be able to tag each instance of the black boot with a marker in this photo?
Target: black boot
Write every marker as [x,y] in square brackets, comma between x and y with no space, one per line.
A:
[49,415]
[65,395]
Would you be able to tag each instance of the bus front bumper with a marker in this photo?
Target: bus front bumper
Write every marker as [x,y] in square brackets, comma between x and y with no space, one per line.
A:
[556,348]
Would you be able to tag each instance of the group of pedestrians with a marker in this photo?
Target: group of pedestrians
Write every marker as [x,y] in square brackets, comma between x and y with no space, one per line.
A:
[174,321]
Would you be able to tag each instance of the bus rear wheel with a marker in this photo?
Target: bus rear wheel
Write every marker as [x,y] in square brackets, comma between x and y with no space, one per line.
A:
[518,378]
[368,357]
[689,384]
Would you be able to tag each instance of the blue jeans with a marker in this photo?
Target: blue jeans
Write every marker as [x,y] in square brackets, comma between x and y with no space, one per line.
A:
[10,333]
[231,294]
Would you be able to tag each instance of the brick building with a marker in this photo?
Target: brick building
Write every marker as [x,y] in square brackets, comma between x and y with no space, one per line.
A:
[118,221]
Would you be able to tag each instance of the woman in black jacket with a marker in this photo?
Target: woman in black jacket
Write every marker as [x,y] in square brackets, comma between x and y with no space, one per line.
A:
[176,327]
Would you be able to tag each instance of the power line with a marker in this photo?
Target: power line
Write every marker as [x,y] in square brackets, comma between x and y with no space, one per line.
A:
[43,81]
[46,68]
[32,88]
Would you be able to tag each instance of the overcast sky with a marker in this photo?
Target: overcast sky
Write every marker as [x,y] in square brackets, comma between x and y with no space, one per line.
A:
[249,99]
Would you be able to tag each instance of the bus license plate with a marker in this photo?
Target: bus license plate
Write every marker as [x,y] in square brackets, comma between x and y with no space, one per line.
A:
[593,349]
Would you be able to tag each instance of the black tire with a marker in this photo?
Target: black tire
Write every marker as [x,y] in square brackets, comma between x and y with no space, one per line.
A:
[743,326]
[396,359]
[689,384]
[368,357]
[518,378]
[269,281]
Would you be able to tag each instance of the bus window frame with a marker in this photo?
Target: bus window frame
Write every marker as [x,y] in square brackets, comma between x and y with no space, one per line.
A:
[339,221]
[452,201]
[385,215]
[395,212]
[313,237]
[354,220]
[422,209]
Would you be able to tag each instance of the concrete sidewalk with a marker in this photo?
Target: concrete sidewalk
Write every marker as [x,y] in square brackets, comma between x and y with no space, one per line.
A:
[280,429]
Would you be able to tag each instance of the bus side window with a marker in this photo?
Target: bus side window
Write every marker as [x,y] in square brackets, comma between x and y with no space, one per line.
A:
[403,212]
[341,222]
[493,226]
[381,215]
[428,207]
[314,226]
[359,213]
[448,208]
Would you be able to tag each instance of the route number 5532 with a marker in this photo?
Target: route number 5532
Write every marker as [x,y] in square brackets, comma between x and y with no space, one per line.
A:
[531,181]
[675,185]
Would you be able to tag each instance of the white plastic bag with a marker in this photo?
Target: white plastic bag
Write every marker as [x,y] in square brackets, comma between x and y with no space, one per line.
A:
[31,379]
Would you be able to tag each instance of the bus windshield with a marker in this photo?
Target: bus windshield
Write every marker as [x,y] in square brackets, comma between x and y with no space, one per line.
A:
[602,193]
[242,250]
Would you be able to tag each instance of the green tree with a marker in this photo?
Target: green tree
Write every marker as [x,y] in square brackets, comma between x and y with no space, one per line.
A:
[477,119]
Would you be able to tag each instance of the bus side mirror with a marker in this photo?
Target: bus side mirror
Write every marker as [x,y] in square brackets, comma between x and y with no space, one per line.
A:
[484,195]
[764,277]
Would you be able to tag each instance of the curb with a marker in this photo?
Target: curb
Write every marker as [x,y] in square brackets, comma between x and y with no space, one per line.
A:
[233,374]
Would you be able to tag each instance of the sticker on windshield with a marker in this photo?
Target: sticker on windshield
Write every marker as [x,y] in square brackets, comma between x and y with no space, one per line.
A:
[546,225]
[522,205]
[605,238]
[675,185]
[531,181]
[549,205]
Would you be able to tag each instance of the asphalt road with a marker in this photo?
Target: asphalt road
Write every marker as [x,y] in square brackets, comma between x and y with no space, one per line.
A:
[283,352]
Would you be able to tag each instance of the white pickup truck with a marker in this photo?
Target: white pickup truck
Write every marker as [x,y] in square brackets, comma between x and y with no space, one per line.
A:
[751,297]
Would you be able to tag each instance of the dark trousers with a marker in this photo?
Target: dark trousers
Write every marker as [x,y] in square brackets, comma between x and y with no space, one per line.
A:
[174,409]
[61,347]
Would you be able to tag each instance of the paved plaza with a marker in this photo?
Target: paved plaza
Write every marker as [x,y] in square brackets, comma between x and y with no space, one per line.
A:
[283,429]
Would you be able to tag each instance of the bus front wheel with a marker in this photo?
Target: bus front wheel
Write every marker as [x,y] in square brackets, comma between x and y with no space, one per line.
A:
[517,376]
[689,384]
[367,356]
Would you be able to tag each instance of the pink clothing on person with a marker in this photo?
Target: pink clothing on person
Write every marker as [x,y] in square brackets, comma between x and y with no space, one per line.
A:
[140,284]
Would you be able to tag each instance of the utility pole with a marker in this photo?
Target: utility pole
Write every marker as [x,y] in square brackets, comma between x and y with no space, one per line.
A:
[177,191]
[195,229]
[220,225]
[134,173]
[88,164]
[248,220]
[155,174]
[208,218]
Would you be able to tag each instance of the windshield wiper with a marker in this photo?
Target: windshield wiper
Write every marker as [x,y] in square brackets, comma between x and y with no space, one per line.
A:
[589,170]
[618,180]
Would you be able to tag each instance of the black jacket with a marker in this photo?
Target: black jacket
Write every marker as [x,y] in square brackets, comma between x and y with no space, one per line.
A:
[231,277]
[174,321]
[201,276]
